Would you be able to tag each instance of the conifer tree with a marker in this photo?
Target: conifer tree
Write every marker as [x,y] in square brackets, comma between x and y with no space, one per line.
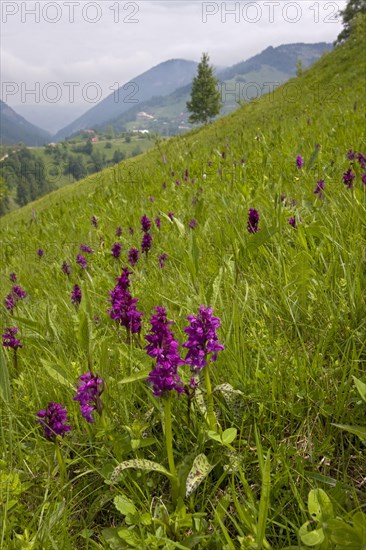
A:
[352,9]
[205,97]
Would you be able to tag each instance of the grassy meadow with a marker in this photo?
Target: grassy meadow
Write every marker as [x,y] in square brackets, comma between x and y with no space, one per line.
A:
[266,449]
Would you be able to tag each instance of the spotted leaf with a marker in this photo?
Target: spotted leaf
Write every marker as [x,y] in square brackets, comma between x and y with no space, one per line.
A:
[200,469]
[139,464]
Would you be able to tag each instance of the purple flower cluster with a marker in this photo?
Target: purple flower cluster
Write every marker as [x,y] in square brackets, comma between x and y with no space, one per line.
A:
[10,302]
[145,224]
[361,160]
[94,221]
[351,155]
[171,215]
[118,231]
[76,295]
[202,338]
[299,161]
[17,293]
[66,268]
[157,222]
[81,261]
[348,178]
[123,307]
[40,252]
[146,243]
[164,348]
[162,259]
[360,157]
[116,250]
[293,222]
[88,394]
[192,224]
[13,277]
[133,256]
[320,185]
[9,340]
[86,248]
[253,220]
[53,420]
[146,238]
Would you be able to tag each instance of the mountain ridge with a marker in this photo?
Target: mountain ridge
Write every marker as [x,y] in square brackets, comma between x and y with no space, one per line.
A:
[140,88]
[15,129]
[154,89]
[286,56]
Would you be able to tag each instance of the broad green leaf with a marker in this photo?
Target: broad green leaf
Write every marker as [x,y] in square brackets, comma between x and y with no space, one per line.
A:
[313,158]
[344,534]
[56,375]
[233,461]
[145,518]
[229,435]
[35,325]
[259,449]
[200,469]
[214,435]
[130,537]
[361,386]
[227,390]
[313,537]
[258,239]
[199,399]
[135,377]
[103,358]
[319,505]
[359,522]
[195,253]
[139,464]
[84,330]
[124,505]
[5,388]
[180,226]
[50,325]
[322,479]
[216,288]
[9,504]
[360,431]
[110,535]
[264,501]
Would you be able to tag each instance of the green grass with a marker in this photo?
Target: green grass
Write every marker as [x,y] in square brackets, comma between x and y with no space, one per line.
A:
[291,303]
[117,144]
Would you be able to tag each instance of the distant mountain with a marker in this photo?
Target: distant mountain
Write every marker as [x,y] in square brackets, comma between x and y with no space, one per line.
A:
[238,83]
[15,129]
[282,58]
[51,116]
[160,80]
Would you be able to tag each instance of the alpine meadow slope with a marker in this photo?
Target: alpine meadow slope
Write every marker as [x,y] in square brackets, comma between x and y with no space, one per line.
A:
[259,216]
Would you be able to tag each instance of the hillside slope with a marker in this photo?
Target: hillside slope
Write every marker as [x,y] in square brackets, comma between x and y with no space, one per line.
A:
[260,216]
[332,91]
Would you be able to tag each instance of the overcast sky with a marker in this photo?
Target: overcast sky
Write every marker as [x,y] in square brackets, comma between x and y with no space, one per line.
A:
[109,42]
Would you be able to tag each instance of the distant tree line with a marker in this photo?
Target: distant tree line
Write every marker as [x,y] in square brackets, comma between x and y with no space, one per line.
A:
[25,176]
[22,179]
